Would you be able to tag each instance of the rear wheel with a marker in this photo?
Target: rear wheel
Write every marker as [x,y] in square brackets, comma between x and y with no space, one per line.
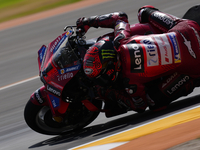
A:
[39,118]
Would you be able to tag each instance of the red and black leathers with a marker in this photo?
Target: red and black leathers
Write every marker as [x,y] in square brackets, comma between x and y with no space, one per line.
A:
[97,60]
[103,21]
[170,58]
[178,62]
[174,52]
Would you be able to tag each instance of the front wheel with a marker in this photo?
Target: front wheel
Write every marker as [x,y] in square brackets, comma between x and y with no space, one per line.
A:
[39,118]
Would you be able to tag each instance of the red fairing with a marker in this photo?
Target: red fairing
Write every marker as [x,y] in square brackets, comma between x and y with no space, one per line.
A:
[39,97]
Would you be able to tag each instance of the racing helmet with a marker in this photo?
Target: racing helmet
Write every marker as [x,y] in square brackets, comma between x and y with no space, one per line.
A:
[101,63]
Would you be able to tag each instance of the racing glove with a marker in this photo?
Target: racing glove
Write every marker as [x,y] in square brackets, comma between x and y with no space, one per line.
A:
[144,13]
[82,25]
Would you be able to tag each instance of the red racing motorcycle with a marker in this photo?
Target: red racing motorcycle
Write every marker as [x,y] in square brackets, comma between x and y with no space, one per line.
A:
[67,101]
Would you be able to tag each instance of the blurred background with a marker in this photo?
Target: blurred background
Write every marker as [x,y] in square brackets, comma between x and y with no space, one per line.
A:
[18,57]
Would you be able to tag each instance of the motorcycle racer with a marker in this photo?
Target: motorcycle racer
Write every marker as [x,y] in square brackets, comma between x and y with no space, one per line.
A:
[167,58]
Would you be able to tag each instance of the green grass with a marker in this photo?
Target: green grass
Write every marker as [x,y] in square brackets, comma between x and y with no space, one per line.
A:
[9,3]
[11,9]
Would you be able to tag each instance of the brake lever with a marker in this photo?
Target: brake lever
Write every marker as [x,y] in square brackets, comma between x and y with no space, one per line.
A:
[71,27]
[79,36]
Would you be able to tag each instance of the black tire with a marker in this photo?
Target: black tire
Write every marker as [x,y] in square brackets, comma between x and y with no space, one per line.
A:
[39,119]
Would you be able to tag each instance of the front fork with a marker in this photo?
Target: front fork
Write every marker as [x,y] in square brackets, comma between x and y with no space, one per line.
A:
[58,107]
[44,98]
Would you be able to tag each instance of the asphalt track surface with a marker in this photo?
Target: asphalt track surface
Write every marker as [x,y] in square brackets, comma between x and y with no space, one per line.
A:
[18,61]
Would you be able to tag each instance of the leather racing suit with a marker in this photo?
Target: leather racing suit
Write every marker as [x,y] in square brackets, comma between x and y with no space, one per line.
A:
[170,59]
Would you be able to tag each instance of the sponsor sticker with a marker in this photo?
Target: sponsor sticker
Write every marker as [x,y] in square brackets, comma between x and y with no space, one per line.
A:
[163,19]
[107,53]
[54,100]
[53,90]
[38,97]
[137,58]
[54,44]
[41,53]
[69,69]
[178,83]
[165,49]
[151,51]
[65,76]
[176,49]
[59,41]
[169,79]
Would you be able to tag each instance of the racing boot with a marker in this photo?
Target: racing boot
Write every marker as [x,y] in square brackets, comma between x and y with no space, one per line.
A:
[130,103]
[113,105]
[135,103]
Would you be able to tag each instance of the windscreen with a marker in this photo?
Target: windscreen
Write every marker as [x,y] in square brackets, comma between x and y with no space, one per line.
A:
[65,56]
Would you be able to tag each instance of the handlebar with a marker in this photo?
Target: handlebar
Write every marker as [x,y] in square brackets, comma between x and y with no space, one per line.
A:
[78,31]
[79,37]
[71,27]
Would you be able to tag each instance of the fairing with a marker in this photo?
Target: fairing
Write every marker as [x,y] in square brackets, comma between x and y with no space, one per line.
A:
[58,64]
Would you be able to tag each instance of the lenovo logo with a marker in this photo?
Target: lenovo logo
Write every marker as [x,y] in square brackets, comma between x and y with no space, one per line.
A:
[137,58]
[38,97]
[53,90]
[180,83]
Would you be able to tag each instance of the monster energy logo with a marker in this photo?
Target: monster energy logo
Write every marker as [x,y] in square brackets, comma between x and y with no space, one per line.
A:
[107,54]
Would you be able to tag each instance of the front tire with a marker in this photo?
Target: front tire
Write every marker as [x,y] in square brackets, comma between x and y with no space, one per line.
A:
[39,118]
